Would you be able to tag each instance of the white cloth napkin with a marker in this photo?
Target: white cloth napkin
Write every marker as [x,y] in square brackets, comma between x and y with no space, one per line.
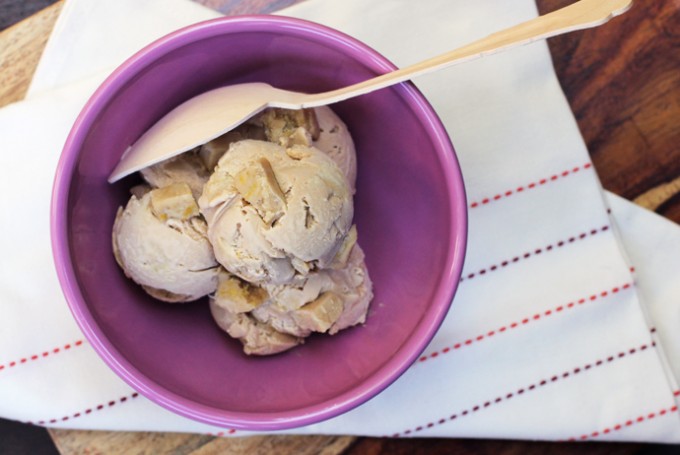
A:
[550,336]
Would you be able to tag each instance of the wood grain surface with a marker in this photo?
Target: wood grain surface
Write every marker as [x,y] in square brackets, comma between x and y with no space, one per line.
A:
[623,84]
[20,48]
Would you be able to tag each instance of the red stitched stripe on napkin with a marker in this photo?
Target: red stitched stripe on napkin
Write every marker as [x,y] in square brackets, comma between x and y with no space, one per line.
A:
[531,387]
[626,424]
[520,323]
[533,253]
[530,186]
[41,355]
[87,411]
[107,405]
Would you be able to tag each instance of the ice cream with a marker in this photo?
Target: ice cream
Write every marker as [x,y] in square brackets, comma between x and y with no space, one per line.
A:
[336,142]
[160,242]
[187,168]
[260,220]
[257,338]
[271,319]
[230,306]
[195,166]
[289,127]
[325,301]
[274,211]
[320,128]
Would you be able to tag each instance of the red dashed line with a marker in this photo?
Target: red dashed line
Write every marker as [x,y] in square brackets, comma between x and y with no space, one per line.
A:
[676,393]
[33,357]
[626,424]
[530,186]
[536,385]
[98,407]
[527,320]
[535,252]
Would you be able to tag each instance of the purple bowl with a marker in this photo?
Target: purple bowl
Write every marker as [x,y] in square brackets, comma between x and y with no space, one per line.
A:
[410,211]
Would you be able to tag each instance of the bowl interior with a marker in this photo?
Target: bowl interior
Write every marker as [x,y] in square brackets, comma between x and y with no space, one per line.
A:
[408,222]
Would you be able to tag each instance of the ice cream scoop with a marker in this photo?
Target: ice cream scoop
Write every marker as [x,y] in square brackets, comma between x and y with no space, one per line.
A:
[325,301]
[288,127]
[186,168]
[336,142]
[258,338]
[319,127]
[194,167]
[274,211]
[230,307]
[269,319]
[160,241]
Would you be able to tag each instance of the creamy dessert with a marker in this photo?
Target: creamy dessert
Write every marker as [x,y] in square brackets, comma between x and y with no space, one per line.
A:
[273,211]
[161,242]
[260,220]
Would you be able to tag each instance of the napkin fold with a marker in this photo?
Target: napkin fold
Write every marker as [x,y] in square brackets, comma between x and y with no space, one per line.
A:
[565,325]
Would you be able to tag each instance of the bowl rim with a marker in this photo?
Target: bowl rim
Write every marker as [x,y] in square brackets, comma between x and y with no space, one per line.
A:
[394,367]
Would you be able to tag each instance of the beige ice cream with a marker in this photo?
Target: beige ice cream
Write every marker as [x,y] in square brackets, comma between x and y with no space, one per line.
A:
[336,142]
[325,301]
[275,199]
[319,127]
[230,307]
[160,241]
[272,319]
[194,167]
[211,152]
[289,127]
[185,168]
[257,338]
[274,211]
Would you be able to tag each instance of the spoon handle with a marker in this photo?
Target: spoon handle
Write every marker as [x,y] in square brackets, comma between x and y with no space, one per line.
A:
[577,16]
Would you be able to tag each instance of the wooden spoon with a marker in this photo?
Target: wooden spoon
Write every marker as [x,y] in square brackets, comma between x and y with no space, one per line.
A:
[215,112]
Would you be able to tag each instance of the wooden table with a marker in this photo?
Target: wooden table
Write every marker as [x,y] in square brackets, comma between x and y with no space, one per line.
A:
[623,84]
